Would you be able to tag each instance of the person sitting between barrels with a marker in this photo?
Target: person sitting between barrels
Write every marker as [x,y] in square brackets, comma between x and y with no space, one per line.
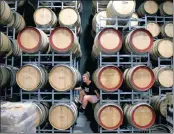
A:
[88,92]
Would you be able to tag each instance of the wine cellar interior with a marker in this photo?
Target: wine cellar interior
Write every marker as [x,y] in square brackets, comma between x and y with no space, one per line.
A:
[47,45]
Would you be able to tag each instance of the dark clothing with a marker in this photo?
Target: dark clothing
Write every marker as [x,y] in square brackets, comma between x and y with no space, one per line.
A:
[89,89]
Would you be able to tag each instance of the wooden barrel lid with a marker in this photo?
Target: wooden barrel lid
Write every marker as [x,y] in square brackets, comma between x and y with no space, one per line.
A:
[165,48]
[165,77]
[142,78]
[151,7]
[61,117]
[110,39]
[124,7]
[43,16]
[134,22]
[141,40]
[153,28]
[28,78]
[61,78]
[68,16]
[110,117]
[110,78]
[61,39]
[29,39]
[169,30]
[143,116]
[168,7]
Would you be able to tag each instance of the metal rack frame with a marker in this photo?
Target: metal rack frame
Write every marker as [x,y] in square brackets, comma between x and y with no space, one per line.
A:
[132,61]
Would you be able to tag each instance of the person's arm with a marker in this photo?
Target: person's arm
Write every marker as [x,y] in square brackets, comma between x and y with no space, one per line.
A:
[97,94]
[78,88]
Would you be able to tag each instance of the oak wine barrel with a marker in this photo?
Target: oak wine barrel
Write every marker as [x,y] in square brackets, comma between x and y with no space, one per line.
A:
[98,20]
[13,71]
[41,112]
[5,44]
[138,41]
[139,78]
[153,28]
[31,77]
[109,116]
[141,115]
[70,18]
[163,76]
[5,76]
[162,48]
[159,105]
[15,49]
[32,40]
[6,13]
[108,78]
[45,17]
[149,7]
[166,8]
[62,116]
[17,22]
[63,40]
[121,9]
[167,30]
[64,77]
[108,41]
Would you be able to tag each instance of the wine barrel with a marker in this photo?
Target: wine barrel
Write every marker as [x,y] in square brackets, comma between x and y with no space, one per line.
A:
[13,71]
[98,20]
[159,105]
[162,48]
[5,13]
[66,75]
[15,49]
[138,41]
[45,17]
[163,76]
[63,40]
[167,30]
[109,116]
[166,8]
[70,18]
[108,78]
[31,77]
[32,40]
[42,112]
[108,41]
[134,22]
[62,116]
[120,9]
[5,44]
[18,22]
[141,115]
[153,28]
[5,76]
[139,78]
[148,7]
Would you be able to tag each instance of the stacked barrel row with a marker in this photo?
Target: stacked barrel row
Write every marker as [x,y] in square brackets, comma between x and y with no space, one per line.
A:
[11,18]
[31,77]
[61,40]
[139,41]
[125,10]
